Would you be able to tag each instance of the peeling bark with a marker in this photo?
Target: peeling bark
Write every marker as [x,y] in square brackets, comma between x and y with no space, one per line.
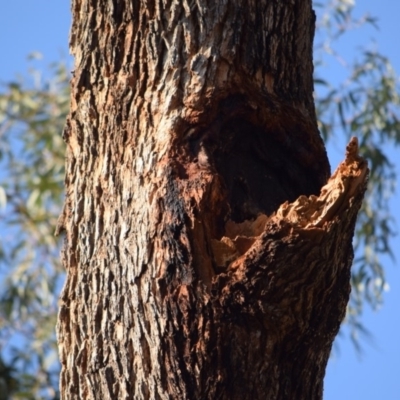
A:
[208,255]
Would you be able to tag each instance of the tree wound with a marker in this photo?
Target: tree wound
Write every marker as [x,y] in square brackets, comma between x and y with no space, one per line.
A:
[251,158]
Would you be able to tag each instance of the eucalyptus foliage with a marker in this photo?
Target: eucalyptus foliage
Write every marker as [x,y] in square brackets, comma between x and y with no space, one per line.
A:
[365,104]
[32,115]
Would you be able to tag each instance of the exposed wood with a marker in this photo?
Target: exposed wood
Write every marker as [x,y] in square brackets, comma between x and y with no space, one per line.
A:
[203,260]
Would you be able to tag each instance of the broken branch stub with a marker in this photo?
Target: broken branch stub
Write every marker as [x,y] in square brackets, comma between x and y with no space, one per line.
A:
[305,214]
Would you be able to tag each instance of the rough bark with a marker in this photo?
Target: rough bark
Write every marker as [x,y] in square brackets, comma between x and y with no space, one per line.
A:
[203,259]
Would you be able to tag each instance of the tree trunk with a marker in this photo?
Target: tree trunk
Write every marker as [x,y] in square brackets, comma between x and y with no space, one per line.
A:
[203,259]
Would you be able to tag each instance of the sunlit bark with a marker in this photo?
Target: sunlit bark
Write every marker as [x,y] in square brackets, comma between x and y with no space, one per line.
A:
[203,260]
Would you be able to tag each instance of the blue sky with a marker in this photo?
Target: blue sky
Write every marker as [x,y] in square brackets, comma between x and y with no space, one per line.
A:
[43,25]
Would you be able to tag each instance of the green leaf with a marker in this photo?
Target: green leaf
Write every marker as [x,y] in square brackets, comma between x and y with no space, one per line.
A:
[3,198]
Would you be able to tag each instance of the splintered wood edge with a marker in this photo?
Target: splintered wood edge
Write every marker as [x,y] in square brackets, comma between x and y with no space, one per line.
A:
[315,211]
[307,212]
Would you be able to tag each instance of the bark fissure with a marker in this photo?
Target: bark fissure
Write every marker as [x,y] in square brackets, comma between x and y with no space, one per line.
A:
[205,257]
